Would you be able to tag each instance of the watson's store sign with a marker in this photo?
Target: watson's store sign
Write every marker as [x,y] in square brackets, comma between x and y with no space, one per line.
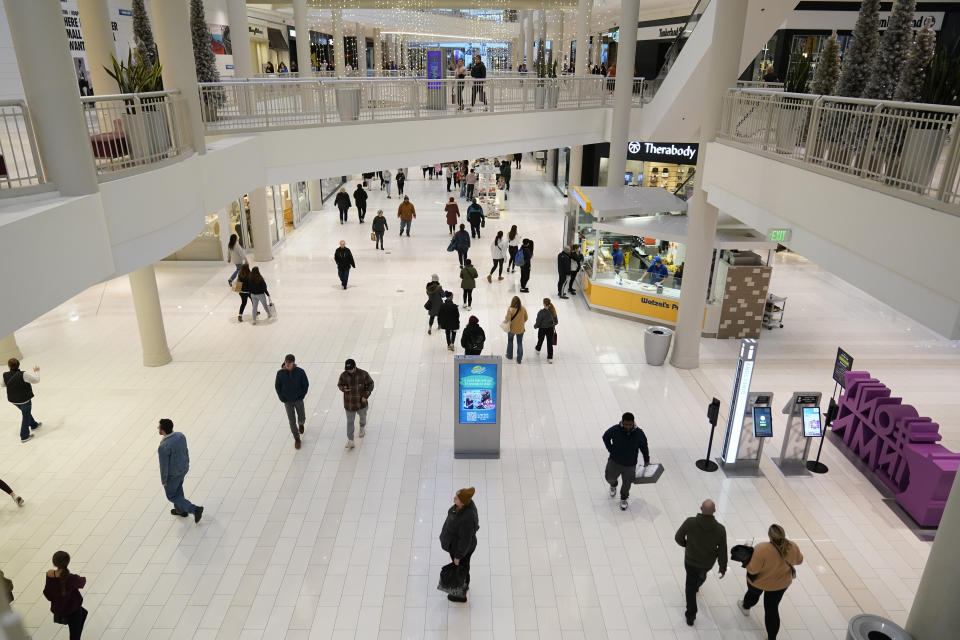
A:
[671,152]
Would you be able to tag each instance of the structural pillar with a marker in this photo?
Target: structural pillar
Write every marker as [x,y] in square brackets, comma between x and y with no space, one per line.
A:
[362,50]
[9,349]
[302,28]
[146,304]
[623,95]
[377,53]
[315,189]
[522,41]
[542,35]
[171,26]
[934,613]
[240,38]
[580,71]
[338,58]
[528,52]
[98,44]
[724,60]
[515,54]
[260,225]
[50,86]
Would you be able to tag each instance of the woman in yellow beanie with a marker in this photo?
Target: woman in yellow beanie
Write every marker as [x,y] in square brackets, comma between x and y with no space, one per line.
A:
[459,535]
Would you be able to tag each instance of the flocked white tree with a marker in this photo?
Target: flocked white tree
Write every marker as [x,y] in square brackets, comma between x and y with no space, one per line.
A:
[860,51]
[894,46]
[828,68]
[143,34]
[916,67]
[203,57]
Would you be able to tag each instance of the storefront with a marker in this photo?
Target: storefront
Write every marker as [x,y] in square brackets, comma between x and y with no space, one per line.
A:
[667,165]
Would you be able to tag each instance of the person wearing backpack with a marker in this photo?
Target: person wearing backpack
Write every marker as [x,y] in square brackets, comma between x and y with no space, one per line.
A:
[360,199]
[461,242]
[343,204]
[526,250]
[434,300]
[448,319]
[545,324]
[473,337]
[769,572]
[468,282]
[20,394]
[513,245]
[498,254]
[515,321]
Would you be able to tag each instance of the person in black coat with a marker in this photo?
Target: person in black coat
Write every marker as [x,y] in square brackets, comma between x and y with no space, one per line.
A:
[379,226]
[344,259]
[475,217]
[360,199]
[473,337]
[459,535]
[624,441]
[401,178]
[449,319]
[527,247]
[291,385]
[343,203]
[461,242]
[563,270]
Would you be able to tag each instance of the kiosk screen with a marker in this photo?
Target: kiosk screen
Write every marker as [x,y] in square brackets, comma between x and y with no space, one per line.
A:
[478,394]
[762,422]
[811,422]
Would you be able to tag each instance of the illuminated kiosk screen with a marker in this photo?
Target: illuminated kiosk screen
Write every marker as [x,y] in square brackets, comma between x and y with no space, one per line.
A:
[478,393]
[811,422]
[762,422]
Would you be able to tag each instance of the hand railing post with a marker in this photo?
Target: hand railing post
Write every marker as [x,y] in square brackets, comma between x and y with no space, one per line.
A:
[416,97]
[768,122]
[815,111]
[870,141]
[322,101]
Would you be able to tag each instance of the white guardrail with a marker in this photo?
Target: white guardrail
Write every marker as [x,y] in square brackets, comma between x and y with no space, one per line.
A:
[20,164]
[259,104]
[130,131]
[906,149]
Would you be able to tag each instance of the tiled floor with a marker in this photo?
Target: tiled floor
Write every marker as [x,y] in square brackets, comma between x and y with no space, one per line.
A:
[325,543]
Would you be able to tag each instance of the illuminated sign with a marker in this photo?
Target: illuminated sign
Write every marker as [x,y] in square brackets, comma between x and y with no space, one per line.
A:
[478,393]
[779,235]
[741,391]
[671,152]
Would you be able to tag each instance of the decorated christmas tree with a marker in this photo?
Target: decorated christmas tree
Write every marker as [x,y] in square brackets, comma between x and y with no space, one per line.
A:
[203,56]
[143,34]
[916,67]
[828,68]
[860,52]
[894,46]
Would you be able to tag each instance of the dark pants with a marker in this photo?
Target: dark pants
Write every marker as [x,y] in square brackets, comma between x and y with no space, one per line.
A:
[477,88]
[174,491]
[506,182]
[573,280]
[26,419]
[433,317]
[517,160]
[771,607]
[464,567]
[467,297]
[513,255]
[545,334]
[344,274]
[451,336]
[460,92]
[470,190]
[362,211]
[5,488]
[400,184]
[695,579]
[561,282]
[378,237]
[295,420]
[452,227]
[524,275]
[448,183]
[474,230]
[74,622]
[343,214]
[620,472]
[462,255]
[244,297]
[497,264]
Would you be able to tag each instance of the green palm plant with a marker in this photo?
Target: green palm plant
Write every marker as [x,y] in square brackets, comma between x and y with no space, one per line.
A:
[135,75]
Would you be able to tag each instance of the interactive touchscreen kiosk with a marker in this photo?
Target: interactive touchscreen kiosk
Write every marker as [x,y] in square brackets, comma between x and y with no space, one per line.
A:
[803,424]
[811,422]
[476,432]
[762,422]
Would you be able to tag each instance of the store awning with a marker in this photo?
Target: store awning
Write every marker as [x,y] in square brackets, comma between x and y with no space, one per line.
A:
[276,39]
[605,203]
[674,229]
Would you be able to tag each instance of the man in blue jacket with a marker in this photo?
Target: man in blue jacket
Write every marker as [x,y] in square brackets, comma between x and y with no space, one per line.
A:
[174,464]
[292,385]
[624,440]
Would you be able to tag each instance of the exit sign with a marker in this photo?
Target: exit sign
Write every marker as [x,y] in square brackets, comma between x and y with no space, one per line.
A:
[778,235]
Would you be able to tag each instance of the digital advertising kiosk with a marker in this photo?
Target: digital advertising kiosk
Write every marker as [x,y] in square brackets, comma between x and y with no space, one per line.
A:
[804,423]
[476,426]
[750,421]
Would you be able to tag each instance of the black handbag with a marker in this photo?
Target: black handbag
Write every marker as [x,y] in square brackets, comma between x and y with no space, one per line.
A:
[452,580]
[741,553]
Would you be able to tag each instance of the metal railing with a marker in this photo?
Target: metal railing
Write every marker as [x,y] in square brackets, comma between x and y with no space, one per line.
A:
[677,46]
[132,130]
[20,164]
[274,104]
[906,149]
[759,84]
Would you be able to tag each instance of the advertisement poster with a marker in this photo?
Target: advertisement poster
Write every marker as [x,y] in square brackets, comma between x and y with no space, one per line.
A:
[478,393]
[434,68]
[843,364]
[121,23]
[222,48]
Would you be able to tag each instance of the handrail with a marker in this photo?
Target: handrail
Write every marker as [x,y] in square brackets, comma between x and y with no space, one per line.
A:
[677,45]
[906,149]
[20,166]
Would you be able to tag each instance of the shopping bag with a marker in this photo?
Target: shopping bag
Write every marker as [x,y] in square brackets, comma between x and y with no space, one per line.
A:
[237,286]
[271,310]
[741,553]
[373,236]
[452,246]
[647,475]
[505,326]
[451,580]
[554,337]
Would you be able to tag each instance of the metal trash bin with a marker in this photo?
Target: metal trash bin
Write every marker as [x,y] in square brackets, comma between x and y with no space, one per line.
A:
[656,344]
[870,627]
[348,103]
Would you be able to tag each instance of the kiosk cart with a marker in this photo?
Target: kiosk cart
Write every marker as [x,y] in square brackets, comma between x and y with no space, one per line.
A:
[803,425]
[773,311]
[476,430]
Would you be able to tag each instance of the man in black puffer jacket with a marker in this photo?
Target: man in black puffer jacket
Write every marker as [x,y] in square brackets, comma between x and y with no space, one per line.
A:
[459,536]
[291,385]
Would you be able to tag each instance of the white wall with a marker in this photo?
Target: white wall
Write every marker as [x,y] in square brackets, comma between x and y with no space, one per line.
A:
[10,86]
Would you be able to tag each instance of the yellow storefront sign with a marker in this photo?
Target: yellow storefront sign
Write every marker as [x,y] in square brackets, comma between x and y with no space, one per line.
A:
[641,304]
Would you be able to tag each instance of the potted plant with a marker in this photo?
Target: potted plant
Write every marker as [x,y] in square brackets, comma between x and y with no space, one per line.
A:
[790,115]
[145,124]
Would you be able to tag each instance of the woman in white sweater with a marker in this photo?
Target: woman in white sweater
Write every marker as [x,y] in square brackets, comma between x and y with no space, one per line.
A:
[235,256]
[499,253]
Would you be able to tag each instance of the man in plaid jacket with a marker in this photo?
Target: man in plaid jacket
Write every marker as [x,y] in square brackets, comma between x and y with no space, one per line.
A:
[356,385]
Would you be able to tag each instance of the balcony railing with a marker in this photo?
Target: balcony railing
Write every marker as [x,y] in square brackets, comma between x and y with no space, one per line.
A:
[20,164]
[906,149]
[275,104]
[130,131]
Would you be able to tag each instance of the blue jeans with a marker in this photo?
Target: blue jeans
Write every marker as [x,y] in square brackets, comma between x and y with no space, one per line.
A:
[26,422]
[344,274]
[405,223]
[235,271]
[174,491]
[519,337]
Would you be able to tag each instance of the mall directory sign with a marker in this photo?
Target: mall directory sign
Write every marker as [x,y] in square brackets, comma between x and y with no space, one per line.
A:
[477,420]
[843,363]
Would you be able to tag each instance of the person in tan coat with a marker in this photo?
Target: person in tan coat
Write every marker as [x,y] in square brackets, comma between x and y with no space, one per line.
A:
[770,571]
[406,213]
[516,318]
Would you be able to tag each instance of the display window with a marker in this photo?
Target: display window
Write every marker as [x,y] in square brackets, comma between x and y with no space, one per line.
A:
[633,263]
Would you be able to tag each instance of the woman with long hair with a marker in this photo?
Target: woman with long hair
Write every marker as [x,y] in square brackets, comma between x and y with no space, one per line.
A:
[62,589]
[516,320]
[258,293]
[513,245]
[235,256]
[498,254]
[244,278]
[769,572]
[545,325]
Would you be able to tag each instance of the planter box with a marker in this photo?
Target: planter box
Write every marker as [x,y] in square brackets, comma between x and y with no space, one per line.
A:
[348,103]
[148,133]
[789,121]
[918,159]
[546,97]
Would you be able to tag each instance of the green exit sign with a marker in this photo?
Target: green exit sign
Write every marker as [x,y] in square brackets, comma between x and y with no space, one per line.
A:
[779,235]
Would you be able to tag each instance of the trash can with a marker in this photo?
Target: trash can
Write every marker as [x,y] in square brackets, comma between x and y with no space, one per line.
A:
[656,344]
[870,627]
[348,103]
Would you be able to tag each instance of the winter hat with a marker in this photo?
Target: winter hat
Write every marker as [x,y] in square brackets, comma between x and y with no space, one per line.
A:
[448,294]
[474,320]
[616,245]
[434,277]
[466,495]
[451,198]
[350,364]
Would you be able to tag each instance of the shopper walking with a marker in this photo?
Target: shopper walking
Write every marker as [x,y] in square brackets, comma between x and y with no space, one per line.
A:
[476,218]
[506,172]
[448,319]
[291,385]
[356,385]
[434,300]
[386,177]
[448,174]
[453,212]
[406,212]
[17,500]
[461,242]
[425,169]
[515,321]
[517,157]
[343,204]
[546,326]
[360,199]
[458,537]
[624,441]
[19,386]
[705,541]
[527,248]
[62,589]
[576,259]
[259,293]
[478,71]
[513,245]
[174,465]
[378,226]
[473,337]
[471,183]
[770,572]
[468,282]
[343,258]
[498,253]
[563,271]
[401,180]
[244,279]
[235,256]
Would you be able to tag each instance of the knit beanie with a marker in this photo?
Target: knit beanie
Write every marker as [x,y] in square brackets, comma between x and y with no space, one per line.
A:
[466,495]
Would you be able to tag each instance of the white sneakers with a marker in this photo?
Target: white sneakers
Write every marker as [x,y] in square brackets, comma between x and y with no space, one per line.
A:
[18,500]
[349,444]
[623,505]
[613,491]
[362,432]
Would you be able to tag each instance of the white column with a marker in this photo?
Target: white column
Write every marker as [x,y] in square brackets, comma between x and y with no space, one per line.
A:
[302,27]
[316,194]
[9,349]
[515,53]
[934,613]
[171,26]
[98,44]
[556,45]
[260,225]
[377,52]
[146,304]
[583,26]
[528,52]
[362,50]
[522,39]
[50,86]
[338,59]
[623,94]
[404,54]
[724,60]
[240,38]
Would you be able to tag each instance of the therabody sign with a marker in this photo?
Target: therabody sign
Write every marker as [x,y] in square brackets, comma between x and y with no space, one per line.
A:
[672,152]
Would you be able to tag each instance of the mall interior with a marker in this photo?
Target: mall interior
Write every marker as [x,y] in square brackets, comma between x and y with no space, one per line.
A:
[711,238]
